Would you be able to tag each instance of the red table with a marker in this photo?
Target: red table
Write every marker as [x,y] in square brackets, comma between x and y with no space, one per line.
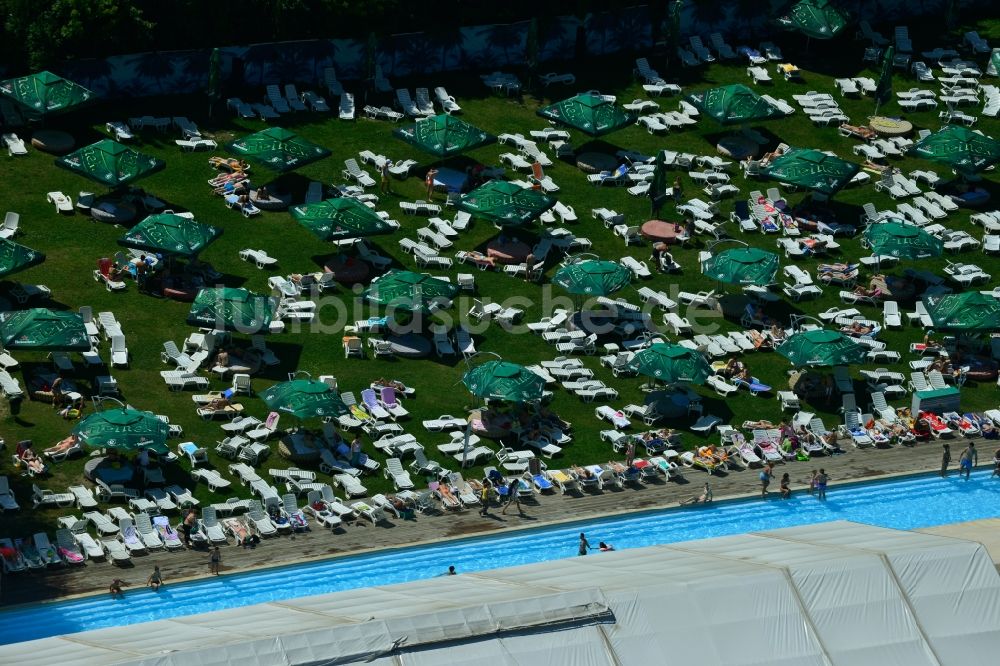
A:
[662,231]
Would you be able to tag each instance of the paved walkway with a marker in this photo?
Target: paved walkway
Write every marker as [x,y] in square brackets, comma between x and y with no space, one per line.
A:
[986,532]
[355,538]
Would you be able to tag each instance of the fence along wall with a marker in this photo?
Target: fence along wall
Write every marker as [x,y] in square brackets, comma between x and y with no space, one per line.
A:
[477,48]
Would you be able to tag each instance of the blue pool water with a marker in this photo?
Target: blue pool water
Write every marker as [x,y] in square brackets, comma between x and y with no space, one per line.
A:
[913,502]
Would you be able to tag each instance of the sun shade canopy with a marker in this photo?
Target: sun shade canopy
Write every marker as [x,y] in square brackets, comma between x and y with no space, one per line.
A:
[228,309]
[742,265]
[410,291]
[967,311]
[340,219]
[822,347]
[592,114]
[444,135]
[15,257]
[812,169]
[959,148]
[501,380]
[111,163]
[734,105]
[278,149]
[123,429]
[904,241]
[671,363]
[817,19]
[506,204]
[40,329]
[592,277]
[166,233]
[45,93]
[304,399]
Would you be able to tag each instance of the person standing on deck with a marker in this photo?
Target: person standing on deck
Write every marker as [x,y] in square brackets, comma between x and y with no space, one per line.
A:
[821,480]
[945,459]
[970,457]
[765,480]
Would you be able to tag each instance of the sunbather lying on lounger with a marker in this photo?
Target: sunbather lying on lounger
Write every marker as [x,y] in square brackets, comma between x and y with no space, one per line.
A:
[582,473]
[229,163]
[448,497]
[218,404]
[860,132]
[857,328]
[61,447]
[713,452]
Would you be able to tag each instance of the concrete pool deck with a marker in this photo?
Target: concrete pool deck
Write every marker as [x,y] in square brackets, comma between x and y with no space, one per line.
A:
[356,538]
[986,532]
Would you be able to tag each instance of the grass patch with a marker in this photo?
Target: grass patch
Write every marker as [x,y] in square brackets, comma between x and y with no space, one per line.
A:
[73,244]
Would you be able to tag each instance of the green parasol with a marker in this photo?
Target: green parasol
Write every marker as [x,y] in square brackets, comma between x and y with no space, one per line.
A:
[967,311]
[167,233]
[278,149]
[817,19]
[15,257]
[45,93]
[670,363]
[110,163]
[673,37]
[822,347]
[658,187]
[742,265]
[592,277]
[40,329]
[505,204]
[444,135]
[228,309]
[123,429]
[960,148]
[500,380]
[214,78]
[340,219]
[592,114]
[304,399]
[812,169]
[734,104]
[883,91]
[905,241]
[409,291]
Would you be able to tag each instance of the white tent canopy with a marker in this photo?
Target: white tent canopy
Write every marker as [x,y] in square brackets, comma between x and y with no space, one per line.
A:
[834,593]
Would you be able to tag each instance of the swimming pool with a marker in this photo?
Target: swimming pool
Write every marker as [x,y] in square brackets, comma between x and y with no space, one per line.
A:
[920,501]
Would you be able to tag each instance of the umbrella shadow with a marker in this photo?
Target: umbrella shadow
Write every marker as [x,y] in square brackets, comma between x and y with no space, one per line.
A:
[714,138]
[292,184]
[288,355]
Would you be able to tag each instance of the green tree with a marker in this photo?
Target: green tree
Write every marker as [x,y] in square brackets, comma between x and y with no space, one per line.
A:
[47,32]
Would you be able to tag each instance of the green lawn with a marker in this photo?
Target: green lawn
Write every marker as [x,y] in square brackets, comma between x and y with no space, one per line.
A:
[73,244]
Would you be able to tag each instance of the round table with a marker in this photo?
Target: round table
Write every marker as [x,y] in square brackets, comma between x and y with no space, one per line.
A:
[890,126]
[661,231]
[348,270]
[594,162]
[508,252]
[737,147]
[53,141]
